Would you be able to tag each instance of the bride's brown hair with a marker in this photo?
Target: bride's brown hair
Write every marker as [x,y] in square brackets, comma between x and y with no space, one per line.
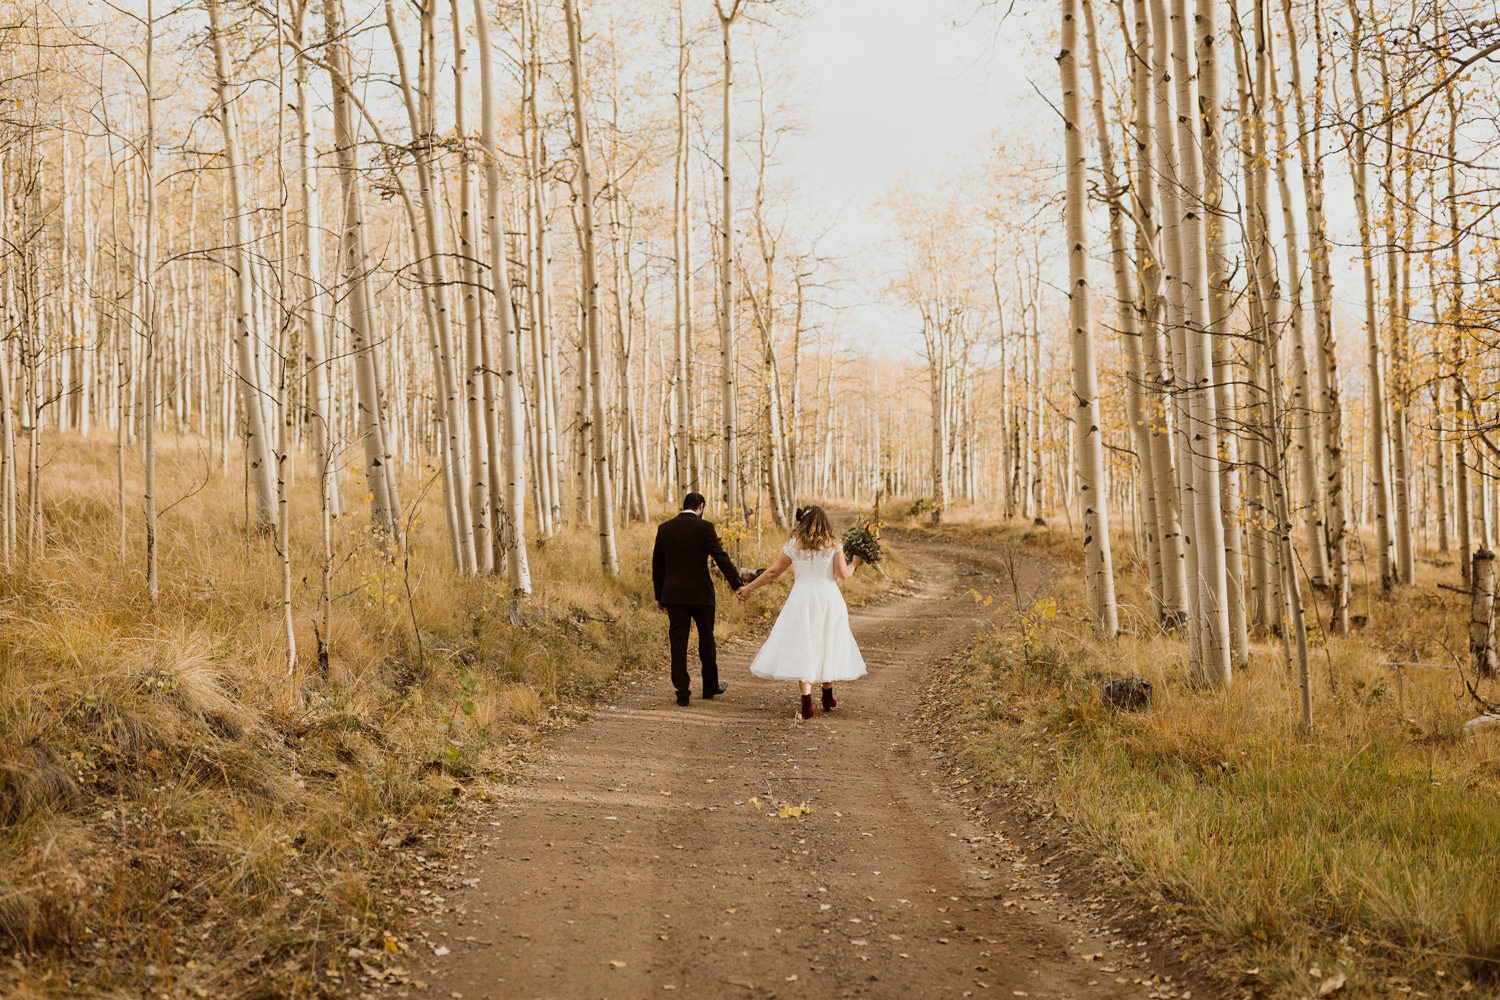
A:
[813,533]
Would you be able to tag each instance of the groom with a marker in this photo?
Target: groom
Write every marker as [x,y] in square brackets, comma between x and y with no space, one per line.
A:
[684,590]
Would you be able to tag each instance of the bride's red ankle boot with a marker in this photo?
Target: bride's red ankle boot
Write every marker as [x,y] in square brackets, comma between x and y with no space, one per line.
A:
[807,709]
[829,704]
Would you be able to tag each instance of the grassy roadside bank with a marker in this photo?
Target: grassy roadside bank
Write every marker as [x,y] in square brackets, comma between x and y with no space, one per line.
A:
[1357,860]
[179,817]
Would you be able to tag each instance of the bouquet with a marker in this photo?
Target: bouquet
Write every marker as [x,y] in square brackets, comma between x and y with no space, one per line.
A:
[863,540]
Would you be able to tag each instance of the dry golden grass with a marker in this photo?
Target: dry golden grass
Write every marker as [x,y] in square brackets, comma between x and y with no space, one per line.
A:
[1366,847]
[177,814]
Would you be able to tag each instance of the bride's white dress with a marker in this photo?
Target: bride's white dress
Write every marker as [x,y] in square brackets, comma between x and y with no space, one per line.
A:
[811,640]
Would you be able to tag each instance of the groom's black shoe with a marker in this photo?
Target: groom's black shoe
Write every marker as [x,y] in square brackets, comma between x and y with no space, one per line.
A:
[723,686]
[682,699]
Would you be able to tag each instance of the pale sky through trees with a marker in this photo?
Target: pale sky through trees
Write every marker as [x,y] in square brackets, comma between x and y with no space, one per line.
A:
[897,91]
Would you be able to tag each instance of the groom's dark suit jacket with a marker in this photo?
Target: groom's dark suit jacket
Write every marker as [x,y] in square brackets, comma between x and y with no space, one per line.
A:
[679,563]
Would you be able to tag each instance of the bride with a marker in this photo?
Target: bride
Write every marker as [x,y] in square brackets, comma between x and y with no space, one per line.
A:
[811,642]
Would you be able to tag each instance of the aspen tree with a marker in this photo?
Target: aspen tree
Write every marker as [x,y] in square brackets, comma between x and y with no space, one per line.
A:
[147,279]
[315,304]
[1456,359]
[545,336]
[1125,296]
[591,318]
[937,326]
[1216,318]
[1152,309]
[536,329]
[1169,197]
[730,472]
[379,467]
[1398,361]
[1263,308]
[1302,404]
[510,524]
[257,440]
[682,409]
[1329,411]
[1215,665]
[481,442]
[1375,378]
[1097,562]
[88,327]
[430,253]
[315,301]
[281,376]
[763,304]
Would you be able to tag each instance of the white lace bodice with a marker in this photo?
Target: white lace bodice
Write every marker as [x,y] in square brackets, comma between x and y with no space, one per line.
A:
[810,567]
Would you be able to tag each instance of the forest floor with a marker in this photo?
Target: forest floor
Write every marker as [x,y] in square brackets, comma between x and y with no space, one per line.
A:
[727,849]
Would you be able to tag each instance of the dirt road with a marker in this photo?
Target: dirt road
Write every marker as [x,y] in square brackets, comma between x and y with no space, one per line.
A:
[648,853]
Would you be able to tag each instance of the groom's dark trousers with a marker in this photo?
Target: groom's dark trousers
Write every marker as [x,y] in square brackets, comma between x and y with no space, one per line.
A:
[679,574]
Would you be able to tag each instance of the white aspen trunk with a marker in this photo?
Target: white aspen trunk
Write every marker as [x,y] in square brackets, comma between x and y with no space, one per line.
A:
[89,328]
[935,333]
[583,466]
[763,305]
[592,337]
[1170,198]
[280,359]
[1150,264]
[1219,302]
[511,520]
[1262,301]
[1216,665]
[1482,615]
[8,457]
[71,356]
[682,428]
[1328,411]
[1302,403]
[632,465]
[544,430]
[1098,566]
[316,305]
[1286,560]
[1125,296]
[1398,360]
[794,476]
[379,467]
[1439,456]
[147,279]
[431,255]
[1375,416]
[730,473]
[546,371]
[258,442]
[545,420]
[1035,423]
[315,343]
[1457,350]
[481,445]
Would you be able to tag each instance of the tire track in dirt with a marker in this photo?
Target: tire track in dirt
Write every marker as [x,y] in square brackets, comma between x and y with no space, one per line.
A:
[630,861]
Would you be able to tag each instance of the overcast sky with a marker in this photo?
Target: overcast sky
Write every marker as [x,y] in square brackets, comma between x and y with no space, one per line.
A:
[898,92]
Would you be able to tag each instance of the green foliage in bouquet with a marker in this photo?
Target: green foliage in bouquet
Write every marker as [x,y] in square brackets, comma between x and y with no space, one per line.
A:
[861,540]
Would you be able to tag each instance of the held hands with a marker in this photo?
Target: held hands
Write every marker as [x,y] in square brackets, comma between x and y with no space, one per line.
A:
[743,594]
